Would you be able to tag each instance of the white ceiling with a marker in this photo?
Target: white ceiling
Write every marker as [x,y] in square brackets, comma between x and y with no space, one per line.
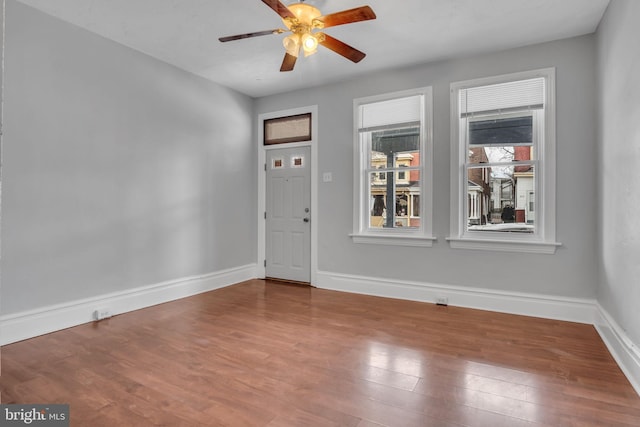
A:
[185,33]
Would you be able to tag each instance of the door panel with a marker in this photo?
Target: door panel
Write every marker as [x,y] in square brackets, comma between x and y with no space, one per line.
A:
[288,218]
[278,185]
[277,248]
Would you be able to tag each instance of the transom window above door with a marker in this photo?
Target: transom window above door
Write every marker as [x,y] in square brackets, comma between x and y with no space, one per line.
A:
[288,129]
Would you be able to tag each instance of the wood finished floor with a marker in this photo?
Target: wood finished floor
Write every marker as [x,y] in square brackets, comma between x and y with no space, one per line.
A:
[266,354]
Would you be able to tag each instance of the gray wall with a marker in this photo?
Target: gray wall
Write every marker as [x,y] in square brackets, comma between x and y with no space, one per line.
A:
[1,54]
[570,272]
[119,170]
[619,164]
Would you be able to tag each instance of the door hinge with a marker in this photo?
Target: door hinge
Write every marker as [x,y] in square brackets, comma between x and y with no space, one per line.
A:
[265,166]
[265,214]
[265,262]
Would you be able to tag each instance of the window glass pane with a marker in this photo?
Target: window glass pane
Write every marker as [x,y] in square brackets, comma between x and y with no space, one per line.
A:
[501,131]
[505,203]
[415,206]
[379,179]
[412,189]
[500,154]
[395,148]
[403,197]
[405,192]
[394,141]
[378,160]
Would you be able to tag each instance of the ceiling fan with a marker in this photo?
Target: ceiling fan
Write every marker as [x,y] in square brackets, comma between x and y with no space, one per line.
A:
[301,20]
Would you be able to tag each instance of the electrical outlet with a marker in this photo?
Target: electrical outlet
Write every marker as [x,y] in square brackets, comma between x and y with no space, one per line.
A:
[442,301]
[101,313]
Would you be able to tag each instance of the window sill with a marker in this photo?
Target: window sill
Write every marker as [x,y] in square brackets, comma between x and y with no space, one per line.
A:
[394,239]
[504,245]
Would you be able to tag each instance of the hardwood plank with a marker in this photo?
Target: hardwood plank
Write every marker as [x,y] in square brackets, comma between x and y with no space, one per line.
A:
[266,354]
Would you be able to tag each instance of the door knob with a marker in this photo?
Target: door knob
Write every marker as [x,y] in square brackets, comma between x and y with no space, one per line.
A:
[306,219]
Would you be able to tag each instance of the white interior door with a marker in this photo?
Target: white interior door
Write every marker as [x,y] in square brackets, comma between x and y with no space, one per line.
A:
[288,214]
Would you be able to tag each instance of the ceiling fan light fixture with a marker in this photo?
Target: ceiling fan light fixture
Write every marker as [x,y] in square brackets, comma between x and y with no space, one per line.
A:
[292,44]
[309,44]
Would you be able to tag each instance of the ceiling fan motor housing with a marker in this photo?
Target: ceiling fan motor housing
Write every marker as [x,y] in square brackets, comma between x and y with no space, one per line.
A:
[305,14]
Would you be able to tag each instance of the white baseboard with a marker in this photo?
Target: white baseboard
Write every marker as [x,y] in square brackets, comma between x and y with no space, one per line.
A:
[550,307]
[29,324]
[624,351]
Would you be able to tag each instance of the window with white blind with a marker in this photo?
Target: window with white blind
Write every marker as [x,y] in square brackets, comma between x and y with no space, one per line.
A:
[392,175]
[503,163]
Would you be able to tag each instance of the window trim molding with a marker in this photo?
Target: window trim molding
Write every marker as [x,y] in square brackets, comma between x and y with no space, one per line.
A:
[544,239]
[394,239]
[495,244]
[422,237]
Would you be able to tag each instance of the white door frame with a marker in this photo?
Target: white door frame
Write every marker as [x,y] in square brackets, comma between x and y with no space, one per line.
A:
[262,184]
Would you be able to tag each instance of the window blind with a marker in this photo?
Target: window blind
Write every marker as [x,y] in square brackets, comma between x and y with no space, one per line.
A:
[503,97]
[390,113]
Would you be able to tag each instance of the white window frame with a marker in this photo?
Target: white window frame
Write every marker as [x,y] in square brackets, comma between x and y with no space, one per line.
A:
[362,233]
[543,240]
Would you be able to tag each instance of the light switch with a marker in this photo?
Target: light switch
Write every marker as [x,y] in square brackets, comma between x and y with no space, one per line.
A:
[327,177]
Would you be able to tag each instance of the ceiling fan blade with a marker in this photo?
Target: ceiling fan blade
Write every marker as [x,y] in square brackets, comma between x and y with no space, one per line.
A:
[363,13]
[279,8]
[341,48]
[248,35]
[288,63]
